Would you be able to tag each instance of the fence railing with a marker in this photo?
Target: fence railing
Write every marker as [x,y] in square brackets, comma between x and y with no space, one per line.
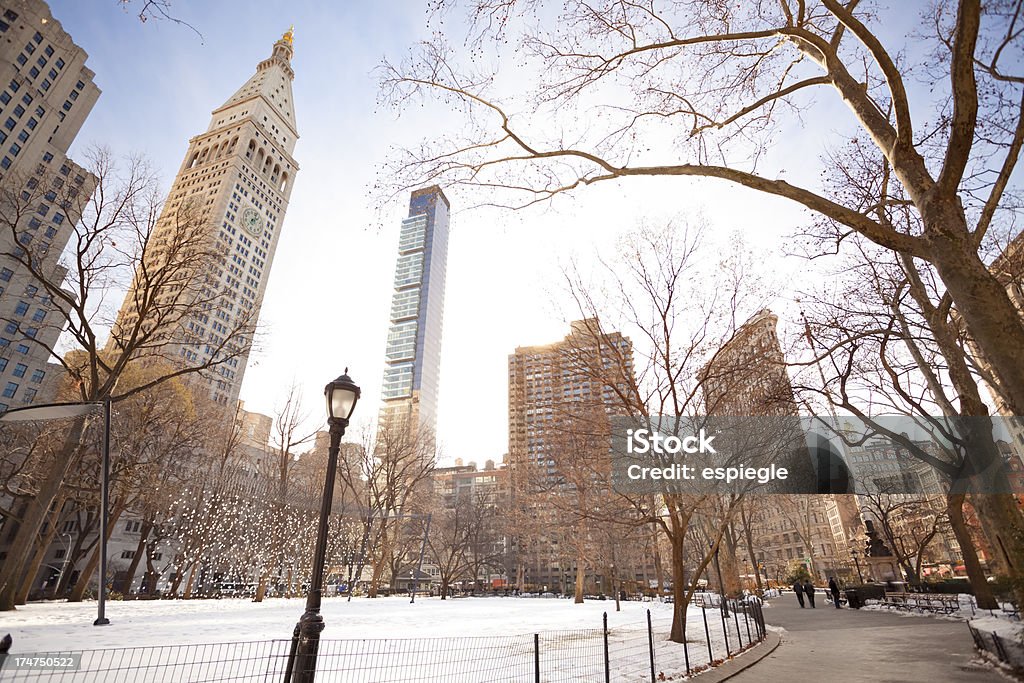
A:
[636,651]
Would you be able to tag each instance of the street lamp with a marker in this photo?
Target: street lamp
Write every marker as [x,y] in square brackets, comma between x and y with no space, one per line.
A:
[342,395]
[854,553]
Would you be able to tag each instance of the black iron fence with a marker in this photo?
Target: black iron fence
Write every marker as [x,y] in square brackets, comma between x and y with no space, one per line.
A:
[631,652]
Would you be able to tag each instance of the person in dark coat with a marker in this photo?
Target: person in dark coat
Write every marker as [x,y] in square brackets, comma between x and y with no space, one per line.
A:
[798,588]
[833,587]
[809,591]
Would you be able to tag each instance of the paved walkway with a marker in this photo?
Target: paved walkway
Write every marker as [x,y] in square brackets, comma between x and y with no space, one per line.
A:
[849,645]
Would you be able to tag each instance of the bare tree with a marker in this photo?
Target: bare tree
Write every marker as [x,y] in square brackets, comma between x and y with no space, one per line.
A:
[288,435]
[713,86]
[391,468]
[682,328]
[124,235]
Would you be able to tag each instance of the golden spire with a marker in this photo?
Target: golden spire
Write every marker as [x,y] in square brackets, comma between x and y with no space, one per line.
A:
[289,35]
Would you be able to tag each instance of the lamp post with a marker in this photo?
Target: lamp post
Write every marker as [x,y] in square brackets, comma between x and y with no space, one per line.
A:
[855,554]
[342,395]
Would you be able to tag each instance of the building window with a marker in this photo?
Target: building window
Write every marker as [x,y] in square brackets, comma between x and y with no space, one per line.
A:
[48,157]
[49,50]
[11,15]
[22,59]
[59,555]
[19,370]
[23,349]
[45,85]
[10,123]
[3,364]
[37,376]
[50,232]
[38,315]
[38,37]
[33,72]
[15,149]
[23,136]
[28,395]
[59,63]
[127,554]
[31,332]
[10,389]
[5,274]
[79,85]
[12,328]
[14,85]
[5,163]
[21,308]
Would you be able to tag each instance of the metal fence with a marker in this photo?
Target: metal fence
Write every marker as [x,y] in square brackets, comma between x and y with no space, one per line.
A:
[632,652]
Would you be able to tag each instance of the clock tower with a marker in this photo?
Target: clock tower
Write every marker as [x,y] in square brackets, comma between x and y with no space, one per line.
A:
[238,175]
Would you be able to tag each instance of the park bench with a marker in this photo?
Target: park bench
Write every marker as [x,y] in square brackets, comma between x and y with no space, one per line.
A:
[895,599]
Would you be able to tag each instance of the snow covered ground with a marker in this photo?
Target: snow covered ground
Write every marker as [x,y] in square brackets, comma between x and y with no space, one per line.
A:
[1008,644]
[570,635]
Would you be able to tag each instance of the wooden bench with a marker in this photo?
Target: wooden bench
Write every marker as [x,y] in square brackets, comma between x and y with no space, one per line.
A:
[895,599]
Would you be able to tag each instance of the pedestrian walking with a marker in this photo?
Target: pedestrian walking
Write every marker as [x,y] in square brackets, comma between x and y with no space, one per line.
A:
[809,591]
[834,589]
[798,588]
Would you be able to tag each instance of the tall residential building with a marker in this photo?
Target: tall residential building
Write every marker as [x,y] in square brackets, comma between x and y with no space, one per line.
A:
[238,175]
[413,356]
[46,93]
[560,398]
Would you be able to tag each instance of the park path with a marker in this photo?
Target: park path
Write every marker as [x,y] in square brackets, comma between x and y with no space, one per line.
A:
[849,645]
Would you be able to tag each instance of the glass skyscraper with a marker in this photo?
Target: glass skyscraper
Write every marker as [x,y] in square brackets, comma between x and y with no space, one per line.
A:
[413,357]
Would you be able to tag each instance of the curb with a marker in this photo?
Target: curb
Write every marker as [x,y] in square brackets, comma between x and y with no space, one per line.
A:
[741,664]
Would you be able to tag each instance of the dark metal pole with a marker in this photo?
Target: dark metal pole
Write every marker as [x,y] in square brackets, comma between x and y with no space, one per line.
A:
[721,585]
[101,618]
[650,644]
[607,668]
[419,564]
[306,638]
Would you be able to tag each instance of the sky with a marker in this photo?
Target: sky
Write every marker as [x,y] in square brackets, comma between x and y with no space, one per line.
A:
[329,291]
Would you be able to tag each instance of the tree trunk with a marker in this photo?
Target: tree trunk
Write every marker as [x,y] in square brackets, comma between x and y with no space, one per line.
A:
[679,593]
[261,588]
[1004,529]
[748,537]
[992,321]
[33,568]
[38,507]
[78,591]
[976,575]
[187,595]
[659,568]
[140,548]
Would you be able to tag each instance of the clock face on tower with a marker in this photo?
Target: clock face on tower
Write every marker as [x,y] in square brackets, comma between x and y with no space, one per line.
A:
[252,221]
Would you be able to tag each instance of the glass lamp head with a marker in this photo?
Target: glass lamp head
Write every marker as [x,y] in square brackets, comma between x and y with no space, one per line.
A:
[342,395]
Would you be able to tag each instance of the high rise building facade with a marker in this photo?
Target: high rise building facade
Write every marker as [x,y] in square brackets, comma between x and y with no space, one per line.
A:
[561,397]
[46,93]
[238,175]
[413,357]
